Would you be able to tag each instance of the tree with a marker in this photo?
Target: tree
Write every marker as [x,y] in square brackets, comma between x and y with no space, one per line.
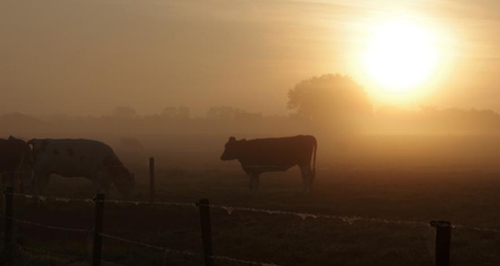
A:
[172,112]
[169,112]
[123,112]
[183,112]
[330,99]
[223,112]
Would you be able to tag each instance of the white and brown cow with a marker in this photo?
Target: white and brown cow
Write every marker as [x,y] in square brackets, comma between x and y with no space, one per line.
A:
[79,158]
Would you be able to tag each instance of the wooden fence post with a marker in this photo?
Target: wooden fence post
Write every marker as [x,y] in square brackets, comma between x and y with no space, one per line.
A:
[9,223]
[443,242]
[97,249]
[152,179]
[206,231]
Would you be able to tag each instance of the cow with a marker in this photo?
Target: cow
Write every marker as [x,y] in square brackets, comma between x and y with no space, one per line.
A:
[15,162]
[274,154]
[79,158]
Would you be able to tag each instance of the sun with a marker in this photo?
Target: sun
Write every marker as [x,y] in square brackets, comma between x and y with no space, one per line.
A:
[400,56]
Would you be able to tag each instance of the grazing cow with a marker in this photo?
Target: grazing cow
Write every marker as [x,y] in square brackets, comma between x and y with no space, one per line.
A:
[79,158]
[15,162]
[274,154]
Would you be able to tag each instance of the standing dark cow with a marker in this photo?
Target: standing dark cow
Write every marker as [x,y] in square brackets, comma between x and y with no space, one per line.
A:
[274,154]
[79,158]
[15,161]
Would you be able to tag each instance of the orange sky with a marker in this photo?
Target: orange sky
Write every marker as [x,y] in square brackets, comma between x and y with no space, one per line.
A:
[87,56]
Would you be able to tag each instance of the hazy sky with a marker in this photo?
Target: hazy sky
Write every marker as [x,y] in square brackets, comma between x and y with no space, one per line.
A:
[86,56]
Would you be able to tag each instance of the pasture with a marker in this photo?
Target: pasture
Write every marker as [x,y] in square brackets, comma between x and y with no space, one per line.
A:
[404,185]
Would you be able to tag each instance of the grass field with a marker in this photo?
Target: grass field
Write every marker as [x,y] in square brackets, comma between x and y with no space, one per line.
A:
[468,196]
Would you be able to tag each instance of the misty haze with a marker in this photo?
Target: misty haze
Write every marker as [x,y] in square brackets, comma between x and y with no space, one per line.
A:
[295,132]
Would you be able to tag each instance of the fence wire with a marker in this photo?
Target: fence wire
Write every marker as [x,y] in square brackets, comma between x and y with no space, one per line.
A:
[44,198]
[230,209]
[91,201]
[475,228]
[248,262]
[149,203]
[74,257]
[49,226]
[167,250]
[188,253]
[347,219]
[112,263]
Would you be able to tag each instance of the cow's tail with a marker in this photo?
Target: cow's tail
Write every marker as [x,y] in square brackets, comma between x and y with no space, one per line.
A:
[315,148]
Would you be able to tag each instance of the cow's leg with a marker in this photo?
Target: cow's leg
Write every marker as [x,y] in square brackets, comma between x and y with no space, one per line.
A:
[32,186]
[100,187]
[2,184]
[311,181]
[307,179]
[9,180]
[21,184]
[4,181]
[25,178]
[254,182]
[105,185]
[96,183]
[41,182]
[101,182]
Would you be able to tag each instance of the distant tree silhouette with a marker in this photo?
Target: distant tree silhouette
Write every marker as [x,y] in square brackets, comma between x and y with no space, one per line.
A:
[123,112]
[223,112]
[432,120]
[172,112]
[183,112]
[169,112]
[330,99]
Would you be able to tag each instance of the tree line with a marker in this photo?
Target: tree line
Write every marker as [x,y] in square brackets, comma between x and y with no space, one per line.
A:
[328,103]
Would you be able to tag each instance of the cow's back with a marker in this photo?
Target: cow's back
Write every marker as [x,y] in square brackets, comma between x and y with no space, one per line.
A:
[69,157]
[284,152]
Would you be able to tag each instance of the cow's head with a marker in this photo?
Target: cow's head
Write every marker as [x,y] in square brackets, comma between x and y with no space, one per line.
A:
[124,181]
[24,175]
[37,147]
[230,150]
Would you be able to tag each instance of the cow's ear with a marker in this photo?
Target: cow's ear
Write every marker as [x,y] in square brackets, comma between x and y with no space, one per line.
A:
[232,139]
[31,143]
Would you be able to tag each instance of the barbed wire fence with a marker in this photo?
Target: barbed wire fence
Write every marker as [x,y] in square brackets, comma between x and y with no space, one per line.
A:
[443,228]
[230,209]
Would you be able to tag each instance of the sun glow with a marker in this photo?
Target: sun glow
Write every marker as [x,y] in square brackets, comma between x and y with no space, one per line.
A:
[400,56]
